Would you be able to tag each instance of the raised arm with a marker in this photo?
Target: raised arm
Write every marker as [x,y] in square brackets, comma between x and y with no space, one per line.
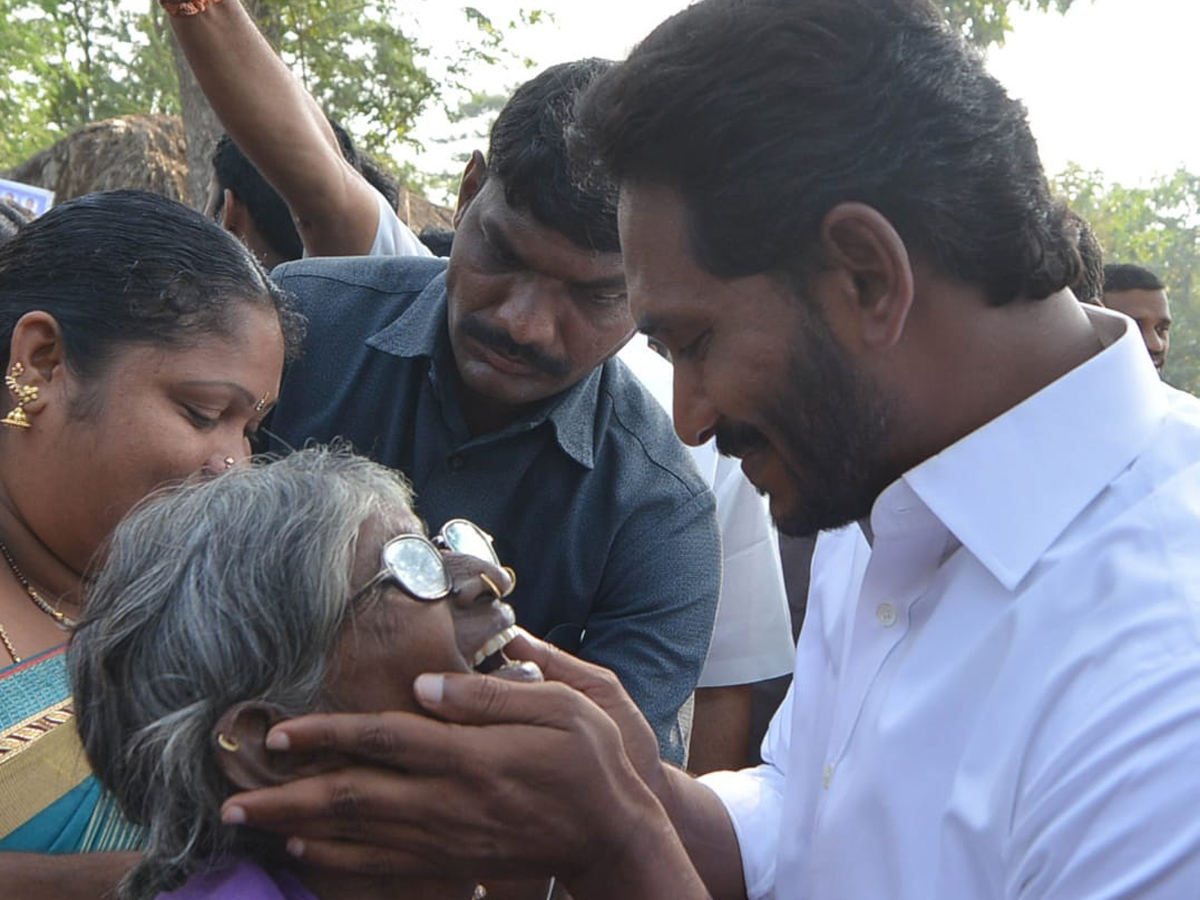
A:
[280,128]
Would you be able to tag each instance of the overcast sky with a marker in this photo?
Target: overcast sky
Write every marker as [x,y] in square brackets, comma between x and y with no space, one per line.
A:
[1109,86]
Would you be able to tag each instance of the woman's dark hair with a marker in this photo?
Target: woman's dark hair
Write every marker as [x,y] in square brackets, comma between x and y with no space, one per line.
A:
[129,267]
[765,114]
[527,151]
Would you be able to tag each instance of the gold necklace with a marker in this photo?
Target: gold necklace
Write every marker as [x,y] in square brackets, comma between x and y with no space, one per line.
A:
[12,651]
[63,620]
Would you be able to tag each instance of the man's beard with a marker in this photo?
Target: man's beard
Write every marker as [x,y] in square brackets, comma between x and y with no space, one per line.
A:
[831,423]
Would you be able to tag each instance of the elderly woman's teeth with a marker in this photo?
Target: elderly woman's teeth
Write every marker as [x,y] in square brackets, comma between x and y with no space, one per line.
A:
[492,647]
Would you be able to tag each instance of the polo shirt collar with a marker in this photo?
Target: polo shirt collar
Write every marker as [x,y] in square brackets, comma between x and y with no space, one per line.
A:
[421,331]
[1011,487]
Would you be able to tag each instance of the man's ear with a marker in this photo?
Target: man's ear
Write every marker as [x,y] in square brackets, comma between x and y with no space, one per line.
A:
[474,175]
[239,743]
[37,344]
[862,245]
[233,215]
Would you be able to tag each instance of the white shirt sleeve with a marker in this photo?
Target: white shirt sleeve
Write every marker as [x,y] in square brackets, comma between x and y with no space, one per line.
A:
[393,237]
[753,798]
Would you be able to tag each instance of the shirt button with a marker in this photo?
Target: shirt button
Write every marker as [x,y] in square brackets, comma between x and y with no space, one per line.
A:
[457,462]
[827,777]
[886,614]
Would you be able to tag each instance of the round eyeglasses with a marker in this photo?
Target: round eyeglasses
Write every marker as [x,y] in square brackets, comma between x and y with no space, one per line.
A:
[415,562]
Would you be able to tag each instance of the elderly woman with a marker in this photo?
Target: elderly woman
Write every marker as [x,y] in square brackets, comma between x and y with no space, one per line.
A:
[223,607]
[141,344]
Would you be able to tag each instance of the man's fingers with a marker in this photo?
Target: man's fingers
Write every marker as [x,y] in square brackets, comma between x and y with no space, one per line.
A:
[483,700]
[559,665]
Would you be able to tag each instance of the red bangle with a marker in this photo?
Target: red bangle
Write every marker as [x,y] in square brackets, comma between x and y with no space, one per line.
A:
[186,7]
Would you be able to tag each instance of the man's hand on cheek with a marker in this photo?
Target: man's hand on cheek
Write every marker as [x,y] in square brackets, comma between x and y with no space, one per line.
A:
[520,779]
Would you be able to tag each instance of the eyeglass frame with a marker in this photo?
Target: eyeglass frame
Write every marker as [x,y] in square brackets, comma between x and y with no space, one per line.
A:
[438,543]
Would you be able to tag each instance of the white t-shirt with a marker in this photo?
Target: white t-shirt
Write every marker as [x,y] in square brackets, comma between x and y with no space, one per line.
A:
[1000,693]
[393,237]
[752,634]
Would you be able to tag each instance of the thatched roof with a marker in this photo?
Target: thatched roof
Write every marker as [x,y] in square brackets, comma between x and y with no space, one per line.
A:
[148,153]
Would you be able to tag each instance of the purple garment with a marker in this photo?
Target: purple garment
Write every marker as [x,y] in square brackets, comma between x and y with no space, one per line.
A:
[242,880]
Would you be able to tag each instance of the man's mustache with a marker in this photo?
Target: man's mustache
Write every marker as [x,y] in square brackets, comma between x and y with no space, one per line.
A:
[498,340]
[736,439]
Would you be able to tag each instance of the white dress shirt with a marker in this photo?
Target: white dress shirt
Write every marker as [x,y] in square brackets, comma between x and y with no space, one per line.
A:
[752,634]
[999,696]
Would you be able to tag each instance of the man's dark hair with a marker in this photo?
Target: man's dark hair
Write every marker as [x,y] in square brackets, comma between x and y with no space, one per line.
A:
[528,153]
[1089,286]
[1128,277]
[119,268]
[12,217]
[438,240]
[267,209]
[765,114]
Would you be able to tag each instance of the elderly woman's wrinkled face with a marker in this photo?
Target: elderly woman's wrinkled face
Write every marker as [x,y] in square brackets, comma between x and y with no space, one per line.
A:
[394,637]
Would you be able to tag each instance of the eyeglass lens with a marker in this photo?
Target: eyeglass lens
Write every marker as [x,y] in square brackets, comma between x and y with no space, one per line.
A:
[418,566]
[462,536]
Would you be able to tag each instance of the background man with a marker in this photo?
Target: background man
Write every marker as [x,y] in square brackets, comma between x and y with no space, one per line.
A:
[487,381]
[997,689]
[750,635]
[1140,294]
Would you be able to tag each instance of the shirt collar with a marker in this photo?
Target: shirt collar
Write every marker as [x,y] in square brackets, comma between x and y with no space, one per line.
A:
[421,331]
[1011,487]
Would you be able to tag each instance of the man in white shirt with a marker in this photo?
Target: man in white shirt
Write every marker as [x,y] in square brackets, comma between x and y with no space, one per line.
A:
[997,688]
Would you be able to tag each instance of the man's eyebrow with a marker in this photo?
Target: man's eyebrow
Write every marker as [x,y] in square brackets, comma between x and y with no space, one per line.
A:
[650,324]
[495,236]
[607,283]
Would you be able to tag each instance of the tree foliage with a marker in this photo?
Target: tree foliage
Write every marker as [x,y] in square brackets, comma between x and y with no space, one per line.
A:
[64,63]
[987,22]
[1157,227]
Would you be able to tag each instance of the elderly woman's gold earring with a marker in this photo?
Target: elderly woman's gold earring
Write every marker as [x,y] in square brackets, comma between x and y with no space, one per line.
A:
[25,393]
[228,743]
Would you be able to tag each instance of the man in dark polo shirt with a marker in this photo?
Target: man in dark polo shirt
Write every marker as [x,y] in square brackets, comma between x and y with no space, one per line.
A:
[489,382]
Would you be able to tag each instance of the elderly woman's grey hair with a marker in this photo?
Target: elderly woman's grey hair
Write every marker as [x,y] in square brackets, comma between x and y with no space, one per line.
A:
[217,592]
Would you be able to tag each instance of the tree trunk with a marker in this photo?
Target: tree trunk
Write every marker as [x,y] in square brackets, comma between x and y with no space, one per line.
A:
[200,127]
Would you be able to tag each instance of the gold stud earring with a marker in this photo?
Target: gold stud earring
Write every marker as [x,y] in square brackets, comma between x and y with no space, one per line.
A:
[228,743]
[25,393]
[229,462]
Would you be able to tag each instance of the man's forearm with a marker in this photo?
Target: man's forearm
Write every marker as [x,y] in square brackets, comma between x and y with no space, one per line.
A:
[703,826]
[78,876]
[279,126]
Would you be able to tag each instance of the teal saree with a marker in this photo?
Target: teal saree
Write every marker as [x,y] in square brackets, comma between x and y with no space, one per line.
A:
[49,800]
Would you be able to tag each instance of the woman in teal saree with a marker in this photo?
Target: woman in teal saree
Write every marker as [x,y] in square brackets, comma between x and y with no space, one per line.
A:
[139,344]
[51,802]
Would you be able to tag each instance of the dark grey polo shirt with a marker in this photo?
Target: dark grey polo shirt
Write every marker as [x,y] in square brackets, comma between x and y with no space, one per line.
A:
[592,499]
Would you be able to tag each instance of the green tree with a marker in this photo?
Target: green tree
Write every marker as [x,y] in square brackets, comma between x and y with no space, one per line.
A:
[64,63]
[987,22]
[1157,227]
